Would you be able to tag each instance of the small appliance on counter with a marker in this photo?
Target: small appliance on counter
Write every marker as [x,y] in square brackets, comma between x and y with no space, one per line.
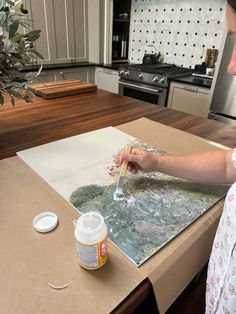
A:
[200,68]
[151,58]
[207,68]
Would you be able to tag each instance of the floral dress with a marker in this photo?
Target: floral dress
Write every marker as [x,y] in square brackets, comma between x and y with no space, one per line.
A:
[221,278]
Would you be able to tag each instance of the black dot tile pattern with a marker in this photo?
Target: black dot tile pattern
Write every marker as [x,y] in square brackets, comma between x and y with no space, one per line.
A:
[180,30]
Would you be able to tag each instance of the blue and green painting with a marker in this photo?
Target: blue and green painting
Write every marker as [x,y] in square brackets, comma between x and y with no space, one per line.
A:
[156,209]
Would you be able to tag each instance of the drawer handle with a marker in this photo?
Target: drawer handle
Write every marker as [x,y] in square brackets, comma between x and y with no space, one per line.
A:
[191,89]
[108,71]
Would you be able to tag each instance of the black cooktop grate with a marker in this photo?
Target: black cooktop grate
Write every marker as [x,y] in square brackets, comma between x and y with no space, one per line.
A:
[169,70]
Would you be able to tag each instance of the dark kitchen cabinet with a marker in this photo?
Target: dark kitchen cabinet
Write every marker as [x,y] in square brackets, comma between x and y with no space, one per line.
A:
[120,30]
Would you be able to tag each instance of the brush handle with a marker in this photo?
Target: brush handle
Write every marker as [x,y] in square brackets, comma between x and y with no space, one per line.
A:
[125,162]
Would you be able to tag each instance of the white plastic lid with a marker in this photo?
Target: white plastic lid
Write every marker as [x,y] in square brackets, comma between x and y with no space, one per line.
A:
[45,222]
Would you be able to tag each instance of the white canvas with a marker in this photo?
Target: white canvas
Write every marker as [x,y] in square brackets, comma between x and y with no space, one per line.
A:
[78,160]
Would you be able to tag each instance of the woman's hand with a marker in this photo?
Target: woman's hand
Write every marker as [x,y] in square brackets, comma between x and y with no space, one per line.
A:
[139,160]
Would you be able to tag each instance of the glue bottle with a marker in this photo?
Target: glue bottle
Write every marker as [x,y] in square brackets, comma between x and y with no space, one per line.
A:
[91,240]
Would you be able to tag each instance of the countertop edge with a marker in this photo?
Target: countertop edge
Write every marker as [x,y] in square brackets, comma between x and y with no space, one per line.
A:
[193,80]
[189,79]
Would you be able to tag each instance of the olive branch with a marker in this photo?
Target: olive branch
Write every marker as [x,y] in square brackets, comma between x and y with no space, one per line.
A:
[17,50]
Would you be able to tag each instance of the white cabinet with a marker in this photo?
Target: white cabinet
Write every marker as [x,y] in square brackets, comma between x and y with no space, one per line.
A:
[189,98]
[86,74]
[107,79]
[64,29]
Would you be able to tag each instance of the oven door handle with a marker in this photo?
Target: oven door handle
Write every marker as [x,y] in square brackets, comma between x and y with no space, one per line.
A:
[156,91]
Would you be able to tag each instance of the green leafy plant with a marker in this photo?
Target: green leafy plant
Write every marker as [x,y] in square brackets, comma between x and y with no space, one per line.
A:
[17,50]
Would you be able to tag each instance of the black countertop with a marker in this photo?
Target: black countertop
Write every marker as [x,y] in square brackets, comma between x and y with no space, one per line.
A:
[35,67]
[190,79]
[112,66]
[193,80]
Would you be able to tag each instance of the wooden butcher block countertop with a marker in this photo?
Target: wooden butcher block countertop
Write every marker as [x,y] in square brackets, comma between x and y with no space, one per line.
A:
[43,121]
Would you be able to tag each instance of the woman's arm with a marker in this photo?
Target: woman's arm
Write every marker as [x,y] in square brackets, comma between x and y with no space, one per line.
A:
[214,166]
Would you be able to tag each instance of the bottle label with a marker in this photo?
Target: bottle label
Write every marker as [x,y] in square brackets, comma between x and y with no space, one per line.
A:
[92,256]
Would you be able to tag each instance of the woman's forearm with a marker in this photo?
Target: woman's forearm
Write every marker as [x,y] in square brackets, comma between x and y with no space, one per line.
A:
[215,166]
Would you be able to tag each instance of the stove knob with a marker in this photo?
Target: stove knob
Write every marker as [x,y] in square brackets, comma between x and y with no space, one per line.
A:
[126,73]
[140,76]
[162,80]
[155,79]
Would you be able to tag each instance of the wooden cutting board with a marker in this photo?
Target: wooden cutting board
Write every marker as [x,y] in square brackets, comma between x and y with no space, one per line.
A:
[57,89]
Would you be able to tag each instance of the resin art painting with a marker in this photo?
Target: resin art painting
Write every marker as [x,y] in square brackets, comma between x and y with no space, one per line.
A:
[157,207]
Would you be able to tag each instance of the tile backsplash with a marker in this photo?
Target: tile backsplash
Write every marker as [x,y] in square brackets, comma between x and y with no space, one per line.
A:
[181,30]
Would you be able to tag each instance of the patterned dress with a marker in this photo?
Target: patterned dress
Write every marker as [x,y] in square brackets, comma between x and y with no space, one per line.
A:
[221,278]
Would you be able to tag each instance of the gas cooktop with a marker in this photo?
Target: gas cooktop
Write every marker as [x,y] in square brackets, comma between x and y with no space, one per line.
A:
[154,74]
[161,68]
[150,66]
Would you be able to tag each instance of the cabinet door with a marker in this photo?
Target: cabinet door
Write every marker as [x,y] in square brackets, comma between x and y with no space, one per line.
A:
[189,98]
[107,79]
[78,30]
[39,13]
[45,76]
[68,21]
[84,74]
[64,29]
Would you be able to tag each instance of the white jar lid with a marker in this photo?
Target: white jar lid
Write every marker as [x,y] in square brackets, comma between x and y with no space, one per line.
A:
[45,222]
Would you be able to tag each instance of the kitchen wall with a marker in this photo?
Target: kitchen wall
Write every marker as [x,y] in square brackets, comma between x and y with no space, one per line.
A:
[181,30]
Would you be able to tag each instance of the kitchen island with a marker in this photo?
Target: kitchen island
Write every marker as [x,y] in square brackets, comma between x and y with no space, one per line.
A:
[43,121]
[28,125]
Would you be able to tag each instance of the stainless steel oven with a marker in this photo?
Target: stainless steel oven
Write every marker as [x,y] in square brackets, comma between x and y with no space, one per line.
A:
[148,82]
[152,94]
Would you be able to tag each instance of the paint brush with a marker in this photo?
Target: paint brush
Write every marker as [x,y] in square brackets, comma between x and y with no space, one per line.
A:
[119,195]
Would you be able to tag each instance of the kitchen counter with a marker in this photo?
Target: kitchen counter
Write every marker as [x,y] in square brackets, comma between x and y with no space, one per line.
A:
[43,121]
[28,125]
[112,66]
[193,80]
[199,81]
[35,67]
